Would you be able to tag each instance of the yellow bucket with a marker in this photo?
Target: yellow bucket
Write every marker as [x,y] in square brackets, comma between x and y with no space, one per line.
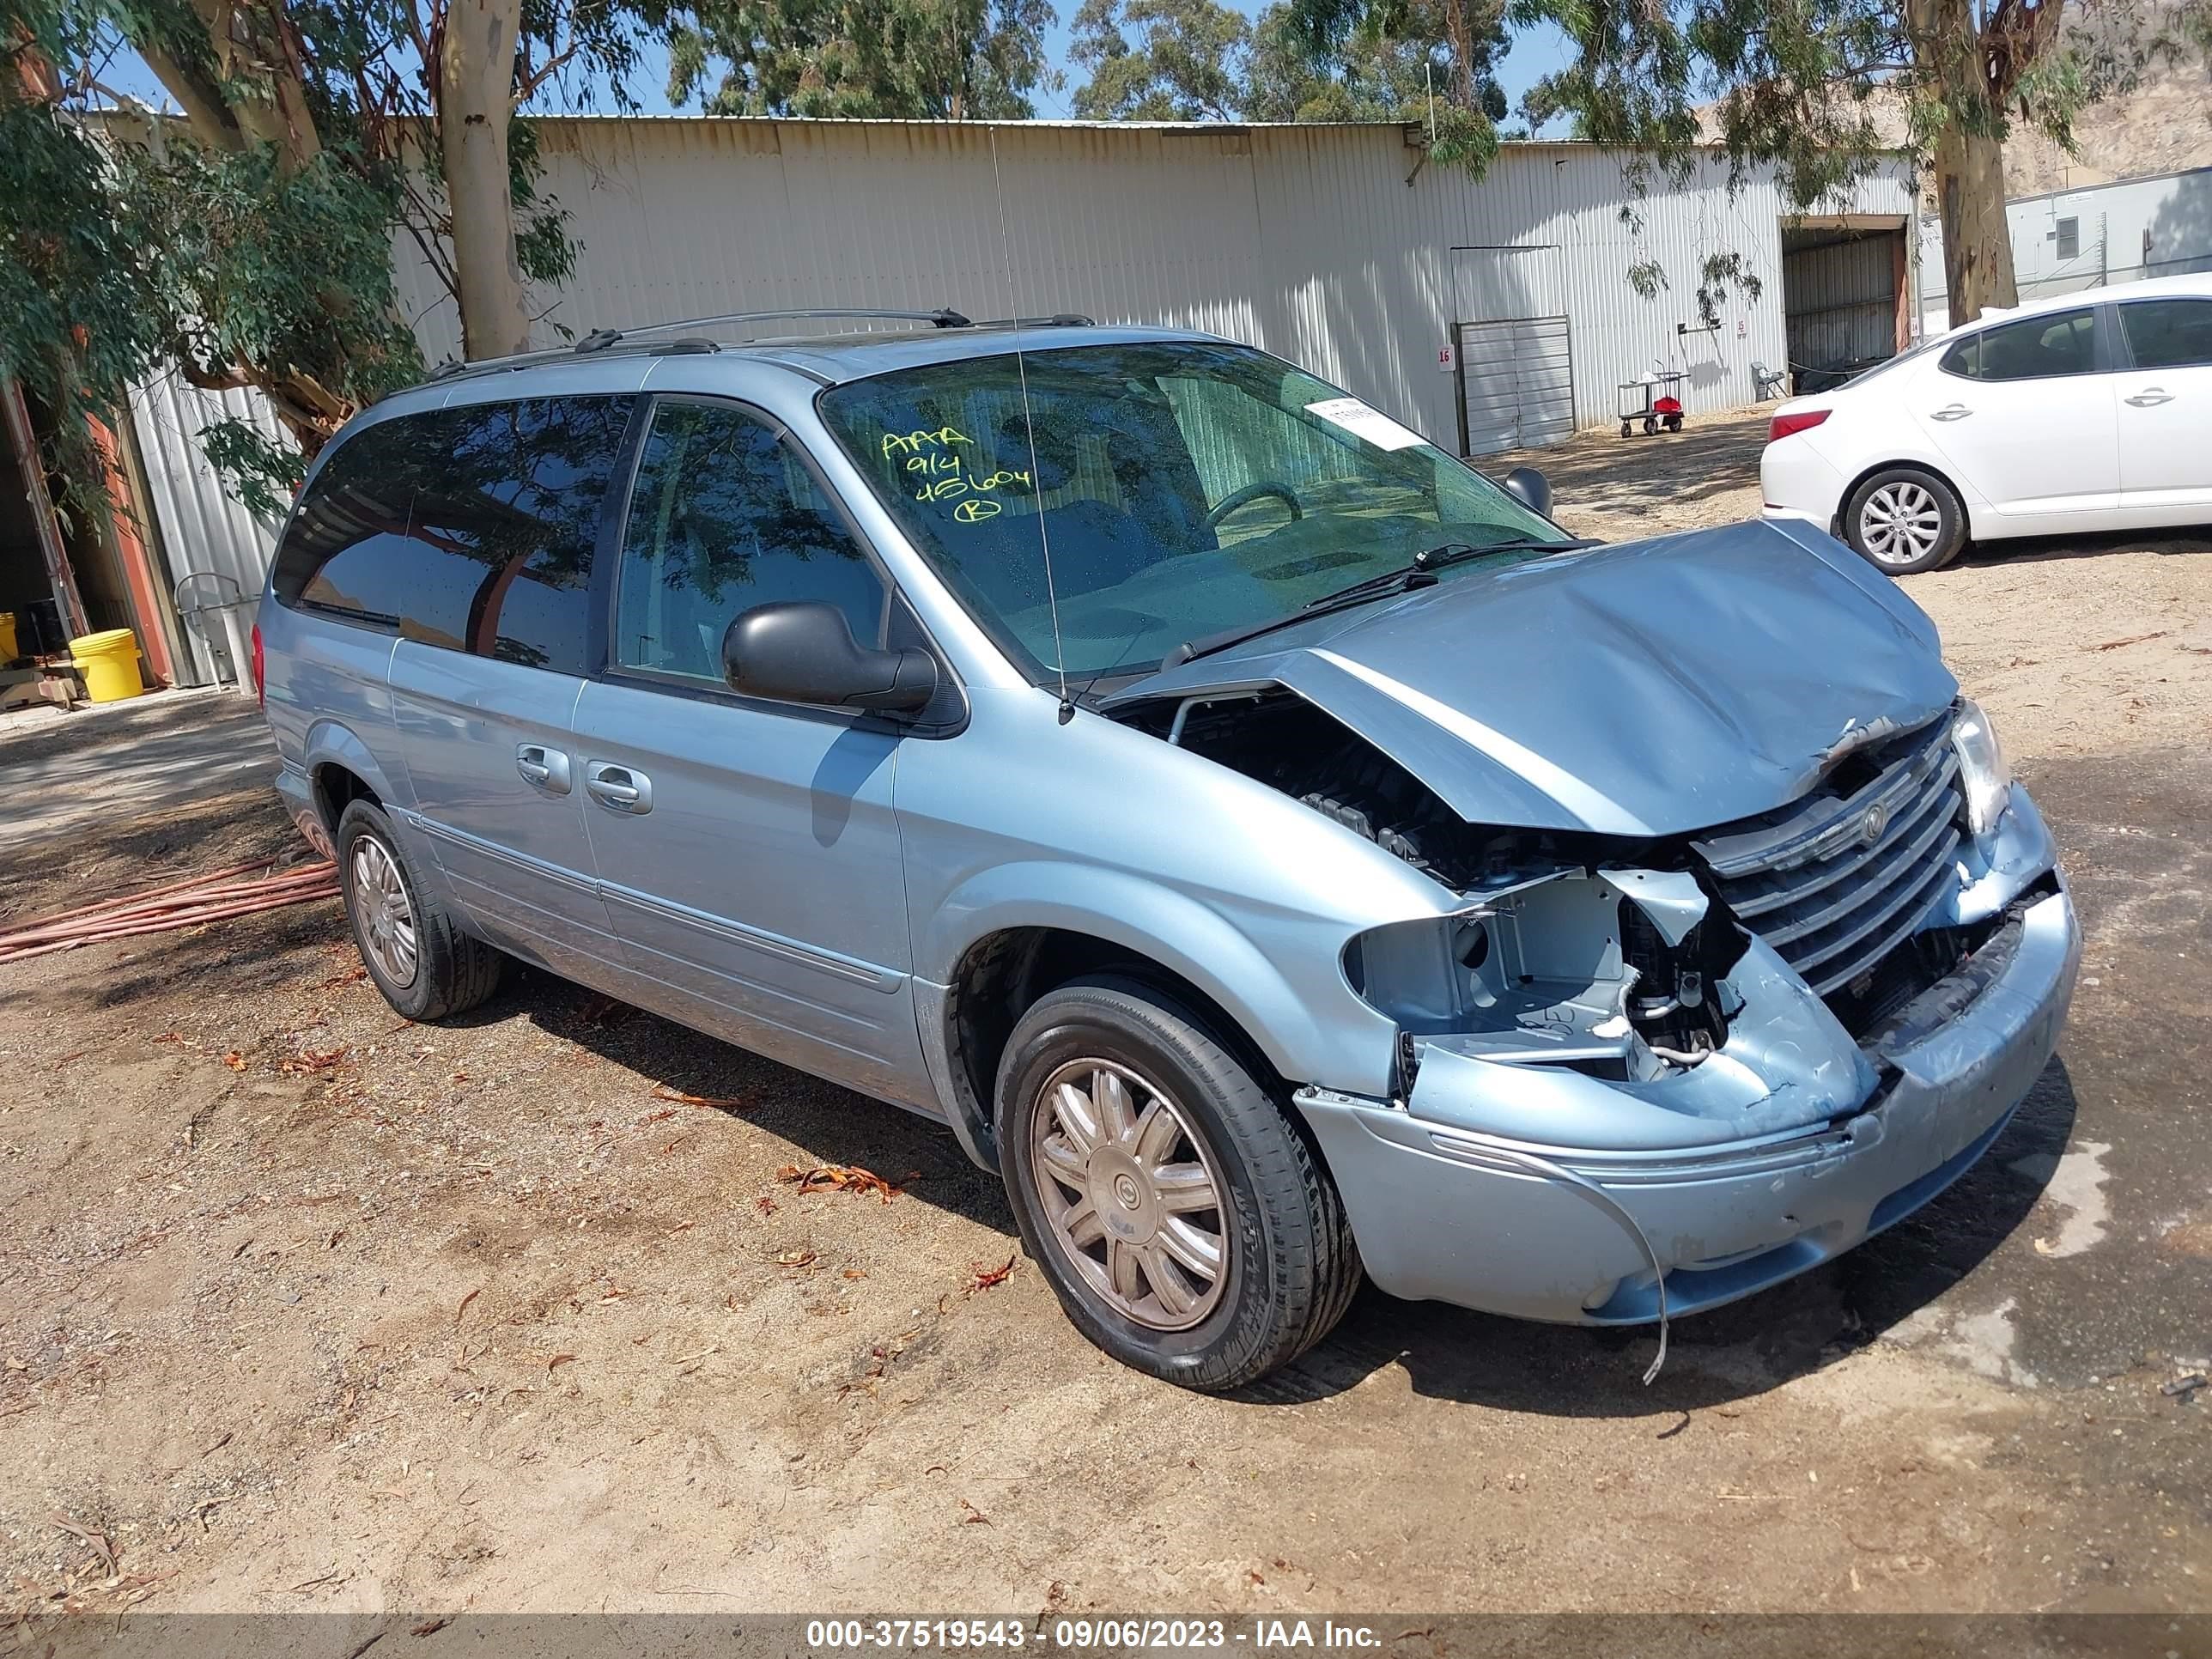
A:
[7,651]
[110,662]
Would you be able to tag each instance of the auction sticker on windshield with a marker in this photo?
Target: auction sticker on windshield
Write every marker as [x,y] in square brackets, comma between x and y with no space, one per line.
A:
[1362,422]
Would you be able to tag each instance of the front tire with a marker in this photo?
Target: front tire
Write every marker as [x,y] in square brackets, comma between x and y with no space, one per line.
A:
[412,945]
[1904,521]
[1186,1227]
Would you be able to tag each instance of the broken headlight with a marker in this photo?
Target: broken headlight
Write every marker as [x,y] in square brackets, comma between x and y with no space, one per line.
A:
[1983,773]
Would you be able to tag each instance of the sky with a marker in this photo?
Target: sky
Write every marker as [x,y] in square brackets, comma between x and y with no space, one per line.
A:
[1532,54]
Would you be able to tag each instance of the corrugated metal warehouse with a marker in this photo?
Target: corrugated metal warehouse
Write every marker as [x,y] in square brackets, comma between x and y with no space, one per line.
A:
[1487,314]
[1336,246]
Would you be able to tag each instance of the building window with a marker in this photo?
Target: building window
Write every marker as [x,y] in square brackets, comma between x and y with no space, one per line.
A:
[2069,239]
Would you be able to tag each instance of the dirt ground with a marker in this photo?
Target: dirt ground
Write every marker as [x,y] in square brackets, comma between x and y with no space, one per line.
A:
[303,1308]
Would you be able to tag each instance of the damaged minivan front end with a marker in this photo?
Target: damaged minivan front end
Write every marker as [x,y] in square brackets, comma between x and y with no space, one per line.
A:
[1644,1067]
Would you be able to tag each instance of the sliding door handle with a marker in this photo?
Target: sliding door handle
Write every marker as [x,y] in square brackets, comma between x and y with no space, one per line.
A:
[622,787]
[542,767]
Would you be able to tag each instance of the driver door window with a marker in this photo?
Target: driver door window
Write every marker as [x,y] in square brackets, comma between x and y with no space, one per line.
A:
[725,515]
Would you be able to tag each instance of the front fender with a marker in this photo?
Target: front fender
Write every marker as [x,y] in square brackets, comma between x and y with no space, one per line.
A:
[1304,1036]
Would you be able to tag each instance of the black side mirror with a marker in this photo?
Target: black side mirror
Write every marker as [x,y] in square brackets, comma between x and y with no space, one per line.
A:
[805,652]
[1531,489]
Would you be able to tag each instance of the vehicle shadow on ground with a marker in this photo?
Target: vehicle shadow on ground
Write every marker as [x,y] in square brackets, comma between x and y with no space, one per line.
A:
[2046,550]
[1728,1353]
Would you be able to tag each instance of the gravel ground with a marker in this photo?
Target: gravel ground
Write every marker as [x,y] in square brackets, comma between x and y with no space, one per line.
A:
[303,1308]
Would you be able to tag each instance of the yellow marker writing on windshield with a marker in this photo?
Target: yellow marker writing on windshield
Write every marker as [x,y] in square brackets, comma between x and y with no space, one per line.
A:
[906,443]
[975,507]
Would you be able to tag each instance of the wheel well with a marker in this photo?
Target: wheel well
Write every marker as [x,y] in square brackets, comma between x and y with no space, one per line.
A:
[334,787]
[1002,976]
[1841,529]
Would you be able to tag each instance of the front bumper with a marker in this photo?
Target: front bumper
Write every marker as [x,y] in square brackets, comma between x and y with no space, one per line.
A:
[1445,1212]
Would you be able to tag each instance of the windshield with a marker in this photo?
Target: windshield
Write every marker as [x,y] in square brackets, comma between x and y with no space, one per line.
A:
[1187,489]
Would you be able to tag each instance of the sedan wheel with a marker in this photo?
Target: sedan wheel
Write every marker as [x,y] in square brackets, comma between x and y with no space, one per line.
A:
[1902,523]
[1130,1194]
[1906,521]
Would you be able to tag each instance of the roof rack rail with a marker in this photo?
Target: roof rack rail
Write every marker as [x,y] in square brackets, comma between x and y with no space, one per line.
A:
[600,338]
[606,339]
[1058,319]
[452,369]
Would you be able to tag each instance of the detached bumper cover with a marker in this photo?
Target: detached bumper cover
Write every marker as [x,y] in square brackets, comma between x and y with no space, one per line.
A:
[1445,1212]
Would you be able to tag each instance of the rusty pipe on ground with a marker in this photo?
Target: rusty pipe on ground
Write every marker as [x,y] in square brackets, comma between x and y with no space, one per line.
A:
[215,895]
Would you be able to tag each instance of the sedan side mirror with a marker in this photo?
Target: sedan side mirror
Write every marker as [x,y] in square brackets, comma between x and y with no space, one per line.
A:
[1531,489]
[805,652]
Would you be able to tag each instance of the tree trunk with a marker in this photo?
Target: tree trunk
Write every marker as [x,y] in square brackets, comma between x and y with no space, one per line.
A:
[1970,197]
[258,57]
[476,80]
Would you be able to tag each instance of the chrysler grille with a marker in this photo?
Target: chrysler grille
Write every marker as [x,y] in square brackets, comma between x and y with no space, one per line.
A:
[1834,882]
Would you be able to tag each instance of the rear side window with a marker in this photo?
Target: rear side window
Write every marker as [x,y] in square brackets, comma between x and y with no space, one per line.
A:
[468,528]
[2168,333]
[725,515]
[2038,348]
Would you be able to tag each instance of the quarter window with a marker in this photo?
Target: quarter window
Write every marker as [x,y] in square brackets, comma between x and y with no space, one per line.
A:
[469,528]
[724,516]
[2168,333]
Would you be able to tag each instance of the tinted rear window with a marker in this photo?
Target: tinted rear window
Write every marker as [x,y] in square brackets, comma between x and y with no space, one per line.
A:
[468,528]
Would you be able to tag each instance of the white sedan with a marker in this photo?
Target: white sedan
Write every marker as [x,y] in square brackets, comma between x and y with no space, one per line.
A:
[2090,411]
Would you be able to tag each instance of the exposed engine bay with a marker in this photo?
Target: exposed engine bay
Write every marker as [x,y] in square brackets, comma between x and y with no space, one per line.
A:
[1626,959]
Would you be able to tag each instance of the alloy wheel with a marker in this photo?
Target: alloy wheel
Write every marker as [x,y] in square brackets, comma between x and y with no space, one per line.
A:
[1901,522]
[384,915]
[1129,1194]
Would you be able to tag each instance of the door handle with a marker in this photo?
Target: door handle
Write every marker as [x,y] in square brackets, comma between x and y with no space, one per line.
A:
[2151,397]
[622,787]
[1952,412]
[546,768]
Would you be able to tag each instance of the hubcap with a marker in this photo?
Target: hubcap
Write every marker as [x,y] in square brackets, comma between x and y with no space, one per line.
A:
[383,917]
[1901,523]
[1129,1194]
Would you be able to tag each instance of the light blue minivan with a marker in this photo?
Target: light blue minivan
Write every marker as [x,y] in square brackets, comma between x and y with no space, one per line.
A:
[1279,851]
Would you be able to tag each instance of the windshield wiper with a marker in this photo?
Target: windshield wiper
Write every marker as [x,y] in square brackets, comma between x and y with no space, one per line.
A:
[1421,571]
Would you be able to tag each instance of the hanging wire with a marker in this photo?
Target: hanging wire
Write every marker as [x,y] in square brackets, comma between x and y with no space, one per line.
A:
[1029,426]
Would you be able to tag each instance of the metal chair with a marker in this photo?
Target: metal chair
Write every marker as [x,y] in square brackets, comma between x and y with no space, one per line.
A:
[1767,382]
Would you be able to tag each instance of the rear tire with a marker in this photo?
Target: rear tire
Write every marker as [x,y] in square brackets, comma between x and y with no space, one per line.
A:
[1184,1224]
[413,947]
[1904,521]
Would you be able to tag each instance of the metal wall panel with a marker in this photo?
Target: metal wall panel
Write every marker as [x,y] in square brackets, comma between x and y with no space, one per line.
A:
[1307,240]
[201,525]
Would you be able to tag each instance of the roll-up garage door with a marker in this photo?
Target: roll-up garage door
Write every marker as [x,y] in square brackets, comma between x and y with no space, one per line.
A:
[1517,378]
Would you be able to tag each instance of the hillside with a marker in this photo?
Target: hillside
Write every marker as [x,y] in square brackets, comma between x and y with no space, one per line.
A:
[2164,126]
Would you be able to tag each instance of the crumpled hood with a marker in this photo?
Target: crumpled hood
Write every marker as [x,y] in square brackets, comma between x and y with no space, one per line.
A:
[1644,688]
